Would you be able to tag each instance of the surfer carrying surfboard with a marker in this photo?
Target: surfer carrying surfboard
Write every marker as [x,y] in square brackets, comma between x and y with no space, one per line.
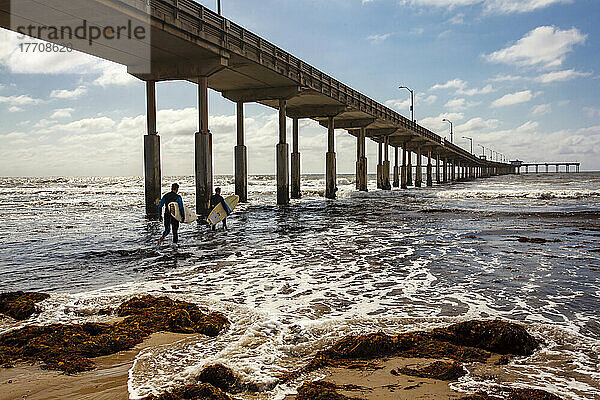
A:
[171,197]
[215,200]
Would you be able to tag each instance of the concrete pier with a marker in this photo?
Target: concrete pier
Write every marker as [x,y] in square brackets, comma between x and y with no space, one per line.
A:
[361,161]
[429,169]
[203,153]
[409,170]
[283,176]
[453,171]
[295,184]
[445,171]
[330,168]
[396,168]
[379,165]
[419,175]
[241,157]
[403,172]
[152,172]
[438,178]
[385,181]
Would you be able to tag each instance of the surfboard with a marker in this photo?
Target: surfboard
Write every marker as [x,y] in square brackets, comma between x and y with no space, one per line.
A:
[218,214]
[190,215]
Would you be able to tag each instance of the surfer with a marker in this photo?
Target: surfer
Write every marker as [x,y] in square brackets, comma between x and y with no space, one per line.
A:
[215,200]
[167,199]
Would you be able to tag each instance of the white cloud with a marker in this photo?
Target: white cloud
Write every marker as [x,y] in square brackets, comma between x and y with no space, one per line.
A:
[21,100]
[436,124]
[476,125]
[506,78]
[545,46]
[592,112]
[454,83]
[114,75]
[62,113]
[472,92]
[513,98]
[541,109]
[560,76]
[459,104]
[458,19]
[15,109]
[402,105]
[69,94]
[379,38]
[490,6]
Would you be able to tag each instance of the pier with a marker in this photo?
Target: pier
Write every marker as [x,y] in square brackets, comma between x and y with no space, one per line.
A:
[544,167]
[192,43]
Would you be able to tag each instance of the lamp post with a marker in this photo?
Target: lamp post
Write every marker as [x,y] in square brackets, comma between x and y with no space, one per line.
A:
[219,6]
[451,129]
[412,101]
[471,139]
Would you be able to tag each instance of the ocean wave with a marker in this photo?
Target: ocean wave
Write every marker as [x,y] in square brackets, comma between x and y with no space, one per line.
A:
[525,194]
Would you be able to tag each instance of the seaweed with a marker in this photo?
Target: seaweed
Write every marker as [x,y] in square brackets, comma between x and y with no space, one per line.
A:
[496,336]
[437,370]
[470,341]
[20,305]
[202,391]
[321,390]
[220,377]
[515,394]
[69,348]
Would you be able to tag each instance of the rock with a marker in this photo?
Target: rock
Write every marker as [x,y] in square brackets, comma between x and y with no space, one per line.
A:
[220,377]
[20,305]
[203,391]
[437,370]
[320,390]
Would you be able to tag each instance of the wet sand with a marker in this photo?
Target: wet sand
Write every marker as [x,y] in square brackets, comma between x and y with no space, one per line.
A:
[381,384]
[107,382]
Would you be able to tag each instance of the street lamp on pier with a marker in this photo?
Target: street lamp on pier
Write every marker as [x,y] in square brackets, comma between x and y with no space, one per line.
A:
[471,139]
[482,150]
[219,6]
[451,129]
[412,101]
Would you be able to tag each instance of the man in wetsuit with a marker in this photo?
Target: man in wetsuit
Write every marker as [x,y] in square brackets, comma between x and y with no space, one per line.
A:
[215,200]
[167,199]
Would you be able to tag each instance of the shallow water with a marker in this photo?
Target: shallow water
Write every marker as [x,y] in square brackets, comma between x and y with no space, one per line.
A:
[293,279]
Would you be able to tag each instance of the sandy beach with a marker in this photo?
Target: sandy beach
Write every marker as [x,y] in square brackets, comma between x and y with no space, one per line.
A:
[107,382]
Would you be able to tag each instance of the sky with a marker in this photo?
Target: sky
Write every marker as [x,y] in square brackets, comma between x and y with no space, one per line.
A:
[518,76]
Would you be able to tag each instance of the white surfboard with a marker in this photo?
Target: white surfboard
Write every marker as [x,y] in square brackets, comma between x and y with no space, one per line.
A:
[190,215]
[218,214]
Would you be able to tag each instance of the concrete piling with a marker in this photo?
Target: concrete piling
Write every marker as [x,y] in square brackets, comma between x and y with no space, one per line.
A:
[445,171]
[409,170]
[403,174]
[203,153]
[361,161]
[241,157]
[396,169]
[152,171]
[385,181]
[438,179]
[283,176]
[295,185]
[419,175]
[429,169]
[379,165]
[330,168]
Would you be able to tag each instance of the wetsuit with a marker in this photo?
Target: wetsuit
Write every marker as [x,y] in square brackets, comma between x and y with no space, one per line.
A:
[215,200]
[168,219]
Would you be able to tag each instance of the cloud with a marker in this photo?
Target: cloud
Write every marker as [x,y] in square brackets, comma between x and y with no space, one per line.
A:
[560,76]
[114,75]
[454,83]
[62,113]
[506,78]
[13,109]
[69,94]
[472,92]
[375,39]
[459,104]
[545,46]
[476,125]
[458,19]
[513,98]
[402,105]
[592,112]
[21,100]
[489,6]
[436,124]
[541,109]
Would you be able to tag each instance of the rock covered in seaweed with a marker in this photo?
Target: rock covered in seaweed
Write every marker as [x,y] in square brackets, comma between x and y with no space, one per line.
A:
[320,390]
[69,347]
[20,305]
[441,370]
[515,394]
[496,336]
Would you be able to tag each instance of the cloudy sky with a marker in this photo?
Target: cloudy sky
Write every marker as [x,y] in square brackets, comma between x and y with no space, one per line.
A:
[519,76]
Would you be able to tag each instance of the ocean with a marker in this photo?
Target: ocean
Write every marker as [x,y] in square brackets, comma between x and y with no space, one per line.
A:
[294,279]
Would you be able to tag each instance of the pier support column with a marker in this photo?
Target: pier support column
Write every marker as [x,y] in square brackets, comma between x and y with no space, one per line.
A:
[385,181]
[283,175]
[453,171]
[379,165]
[419,178]
[403,172]
[203,153]
[361,161]
[241,157]
[295,184]
[330,169]
[152,173]
[396,168]
[438,178]
[429,170]
[409,169]
[445,171]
